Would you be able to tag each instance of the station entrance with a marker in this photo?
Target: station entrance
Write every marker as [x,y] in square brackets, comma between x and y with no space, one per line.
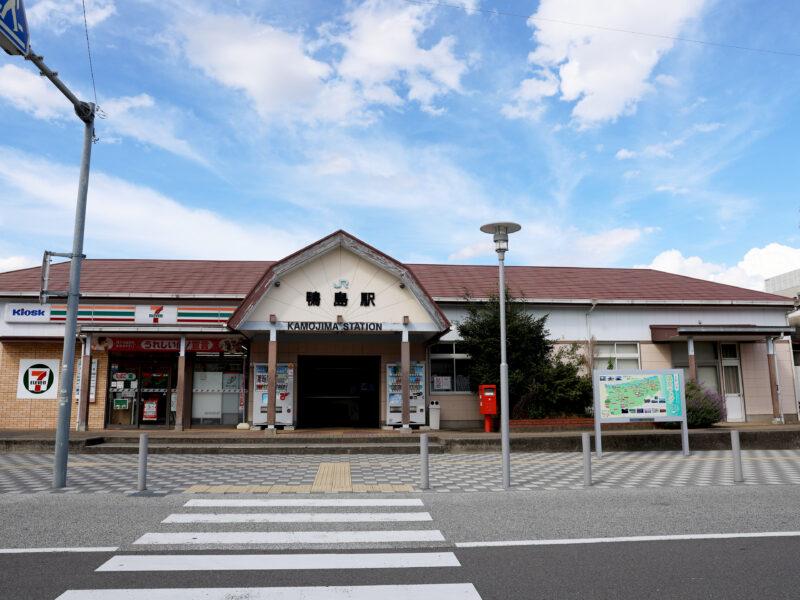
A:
[338,391]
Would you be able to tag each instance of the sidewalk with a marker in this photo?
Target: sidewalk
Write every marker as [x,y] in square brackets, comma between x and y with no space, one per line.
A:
[360,473]
[754,436]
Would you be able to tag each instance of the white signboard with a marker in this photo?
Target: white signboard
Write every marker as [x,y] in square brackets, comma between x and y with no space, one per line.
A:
[17,312]
[93,387]
[38,378]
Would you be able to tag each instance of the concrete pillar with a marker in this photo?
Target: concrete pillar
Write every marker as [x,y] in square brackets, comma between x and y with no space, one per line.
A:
[272,374]
[405,373]
[773,380]
[180,386]
[86,385]
[692,363]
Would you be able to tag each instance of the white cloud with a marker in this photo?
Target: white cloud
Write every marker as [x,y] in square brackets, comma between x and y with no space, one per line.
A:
[548,242]
[674,190]
[623,154]
[59,15]
[604,73]
[756,265]
[268,64]
[25,90]
[377,59]
[630,174]
[135,117]
[13,263]
[667,80]
[125,219]
[707,127]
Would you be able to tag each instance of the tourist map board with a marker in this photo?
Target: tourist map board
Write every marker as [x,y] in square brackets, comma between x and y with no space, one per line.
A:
[630,396]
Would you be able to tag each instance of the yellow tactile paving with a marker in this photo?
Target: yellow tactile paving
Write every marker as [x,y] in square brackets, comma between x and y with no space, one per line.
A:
[333,477]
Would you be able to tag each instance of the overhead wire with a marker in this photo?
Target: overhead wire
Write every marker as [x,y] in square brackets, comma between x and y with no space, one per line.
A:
[603,28]
[97,110]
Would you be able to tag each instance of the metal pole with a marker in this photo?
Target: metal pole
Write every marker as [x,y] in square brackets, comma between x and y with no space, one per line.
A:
[142,462]
[685,437]
[736,451]
[68,356]
[424,480]
[586,443]
[504,438]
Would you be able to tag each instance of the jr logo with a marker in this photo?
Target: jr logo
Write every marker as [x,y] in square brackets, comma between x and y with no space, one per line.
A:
[38,379]
[343,283]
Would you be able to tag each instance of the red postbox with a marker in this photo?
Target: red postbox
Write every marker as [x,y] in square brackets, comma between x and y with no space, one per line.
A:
[487,397]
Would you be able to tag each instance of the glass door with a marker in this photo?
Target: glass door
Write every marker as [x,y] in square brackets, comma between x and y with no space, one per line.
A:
[732,383]
[154,397]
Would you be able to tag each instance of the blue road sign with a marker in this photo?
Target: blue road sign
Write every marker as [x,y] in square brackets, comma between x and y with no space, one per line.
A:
[14,37]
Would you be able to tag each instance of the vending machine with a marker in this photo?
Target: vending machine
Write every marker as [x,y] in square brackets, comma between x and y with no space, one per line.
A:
[284,390]
[394,394]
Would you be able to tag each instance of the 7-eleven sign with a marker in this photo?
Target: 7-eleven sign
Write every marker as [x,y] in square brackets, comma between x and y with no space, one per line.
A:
[38,378]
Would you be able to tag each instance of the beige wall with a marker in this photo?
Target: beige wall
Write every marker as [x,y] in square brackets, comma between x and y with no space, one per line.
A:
[654,356]
[39,413]
[755,381]
[392,303]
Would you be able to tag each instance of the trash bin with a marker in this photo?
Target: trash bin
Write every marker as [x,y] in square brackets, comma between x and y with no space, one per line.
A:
[435,413]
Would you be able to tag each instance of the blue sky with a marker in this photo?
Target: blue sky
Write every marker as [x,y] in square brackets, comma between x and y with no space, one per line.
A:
[246,130]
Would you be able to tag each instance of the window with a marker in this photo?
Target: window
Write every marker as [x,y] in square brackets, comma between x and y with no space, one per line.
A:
[616,355]
[449,368]
[705,358]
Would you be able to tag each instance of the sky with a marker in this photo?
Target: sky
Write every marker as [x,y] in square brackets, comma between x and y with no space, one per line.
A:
[618,133]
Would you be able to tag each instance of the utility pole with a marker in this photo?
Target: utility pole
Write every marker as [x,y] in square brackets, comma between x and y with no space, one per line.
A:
[15,40]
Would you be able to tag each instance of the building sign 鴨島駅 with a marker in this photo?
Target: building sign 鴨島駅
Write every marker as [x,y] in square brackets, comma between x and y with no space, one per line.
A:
[329,326]
[38,378]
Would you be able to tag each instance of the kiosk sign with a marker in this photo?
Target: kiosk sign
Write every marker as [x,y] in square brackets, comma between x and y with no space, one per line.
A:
[14,37]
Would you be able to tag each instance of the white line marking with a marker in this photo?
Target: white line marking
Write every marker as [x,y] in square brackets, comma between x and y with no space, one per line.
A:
[307,502]
[268,562]
[436,591]
[36,550]
[635,538]
[291,537]
[296,517]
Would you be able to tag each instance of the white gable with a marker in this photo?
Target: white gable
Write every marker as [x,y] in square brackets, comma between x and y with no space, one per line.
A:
[344,272]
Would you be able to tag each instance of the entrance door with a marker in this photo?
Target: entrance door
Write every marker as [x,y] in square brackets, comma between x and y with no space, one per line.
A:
[338,391]
[139,393]
[732,383]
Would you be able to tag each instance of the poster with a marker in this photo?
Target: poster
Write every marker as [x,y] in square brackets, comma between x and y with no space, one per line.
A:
[442,383]
[150,411]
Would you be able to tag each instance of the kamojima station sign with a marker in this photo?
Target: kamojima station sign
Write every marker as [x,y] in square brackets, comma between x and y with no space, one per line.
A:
[332,326]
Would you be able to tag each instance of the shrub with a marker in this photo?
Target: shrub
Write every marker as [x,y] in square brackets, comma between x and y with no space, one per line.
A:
[703,407]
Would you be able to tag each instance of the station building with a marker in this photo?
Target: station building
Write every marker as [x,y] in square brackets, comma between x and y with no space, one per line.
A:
[339,334]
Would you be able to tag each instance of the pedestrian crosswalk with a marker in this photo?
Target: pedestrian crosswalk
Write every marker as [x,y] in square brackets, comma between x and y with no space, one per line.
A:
[352,534]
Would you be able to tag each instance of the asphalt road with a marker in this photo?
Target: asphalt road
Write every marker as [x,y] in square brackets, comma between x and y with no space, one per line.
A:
[739,567]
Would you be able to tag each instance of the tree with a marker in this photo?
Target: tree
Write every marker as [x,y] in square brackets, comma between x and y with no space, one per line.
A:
[541,382]
[526,342]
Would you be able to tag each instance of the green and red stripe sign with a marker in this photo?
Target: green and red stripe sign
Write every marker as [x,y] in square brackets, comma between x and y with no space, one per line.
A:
[95,313]
[204,314]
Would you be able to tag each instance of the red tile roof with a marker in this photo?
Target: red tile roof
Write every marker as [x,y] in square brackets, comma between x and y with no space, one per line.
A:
[182,278]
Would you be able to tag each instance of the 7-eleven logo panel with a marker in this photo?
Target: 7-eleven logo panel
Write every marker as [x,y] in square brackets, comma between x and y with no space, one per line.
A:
[38,378]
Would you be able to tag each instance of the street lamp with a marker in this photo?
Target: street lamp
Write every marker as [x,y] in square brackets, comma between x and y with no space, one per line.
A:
[500,232]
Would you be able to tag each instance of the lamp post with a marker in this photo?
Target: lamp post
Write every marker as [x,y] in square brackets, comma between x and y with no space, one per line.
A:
[500,232]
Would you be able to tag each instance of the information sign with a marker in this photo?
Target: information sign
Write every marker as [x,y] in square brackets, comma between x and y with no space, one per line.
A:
[639,397]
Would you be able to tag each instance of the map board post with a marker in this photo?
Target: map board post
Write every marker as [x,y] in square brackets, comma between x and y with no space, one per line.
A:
[651,396]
